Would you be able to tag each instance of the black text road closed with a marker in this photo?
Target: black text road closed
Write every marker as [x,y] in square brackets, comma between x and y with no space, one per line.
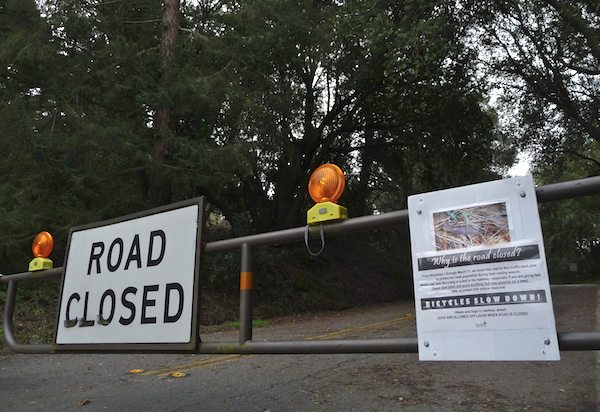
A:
[133,282]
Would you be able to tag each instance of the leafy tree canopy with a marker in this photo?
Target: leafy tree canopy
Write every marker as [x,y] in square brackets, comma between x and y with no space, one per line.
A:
[101,116]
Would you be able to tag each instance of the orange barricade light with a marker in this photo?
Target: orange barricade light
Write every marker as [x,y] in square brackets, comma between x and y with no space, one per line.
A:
[41,248]
[325,187]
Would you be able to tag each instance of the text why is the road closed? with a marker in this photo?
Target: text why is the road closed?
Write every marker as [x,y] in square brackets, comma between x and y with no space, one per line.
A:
[131,281]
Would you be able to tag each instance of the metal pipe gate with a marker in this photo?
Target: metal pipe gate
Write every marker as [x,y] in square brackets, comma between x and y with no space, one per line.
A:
[579,340]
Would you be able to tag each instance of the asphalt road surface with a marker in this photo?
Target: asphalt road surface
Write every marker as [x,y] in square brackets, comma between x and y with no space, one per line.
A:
[362,382]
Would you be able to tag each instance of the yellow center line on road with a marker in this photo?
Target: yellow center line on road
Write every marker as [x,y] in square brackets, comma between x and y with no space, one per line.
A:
[362,328]
[168,370]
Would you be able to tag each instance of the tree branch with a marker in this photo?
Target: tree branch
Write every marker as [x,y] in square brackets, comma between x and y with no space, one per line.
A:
[584,157]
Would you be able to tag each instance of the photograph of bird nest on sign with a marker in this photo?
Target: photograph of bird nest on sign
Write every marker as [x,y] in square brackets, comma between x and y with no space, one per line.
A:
[483,225]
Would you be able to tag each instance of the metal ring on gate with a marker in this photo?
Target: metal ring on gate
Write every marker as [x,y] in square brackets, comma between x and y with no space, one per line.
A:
[306,240]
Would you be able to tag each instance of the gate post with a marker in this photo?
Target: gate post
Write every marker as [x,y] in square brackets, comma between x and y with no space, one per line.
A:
[246,287]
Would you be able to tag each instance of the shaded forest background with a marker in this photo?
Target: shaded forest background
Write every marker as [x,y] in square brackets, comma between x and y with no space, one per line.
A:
[109,107]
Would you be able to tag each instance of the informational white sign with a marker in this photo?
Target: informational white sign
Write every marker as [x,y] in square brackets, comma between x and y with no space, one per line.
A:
[480,275]
[133,281]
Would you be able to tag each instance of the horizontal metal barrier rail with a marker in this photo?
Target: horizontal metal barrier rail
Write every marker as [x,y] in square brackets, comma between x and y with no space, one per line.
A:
[577,340]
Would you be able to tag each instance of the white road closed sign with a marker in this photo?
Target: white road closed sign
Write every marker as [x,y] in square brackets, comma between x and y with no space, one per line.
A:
[132,283]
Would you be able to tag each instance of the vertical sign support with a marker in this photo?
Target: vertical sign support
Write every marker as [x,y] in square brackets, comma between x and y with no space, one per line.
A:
[246,287]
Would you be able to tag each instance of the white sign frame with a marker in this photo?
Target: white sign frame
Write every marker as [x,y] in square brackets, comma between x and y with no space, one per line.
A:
[158,258]
[479,298]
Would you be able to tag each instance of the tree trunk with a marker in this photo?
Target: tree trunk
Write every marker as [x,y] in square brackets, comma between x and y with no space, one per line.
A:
[160,183]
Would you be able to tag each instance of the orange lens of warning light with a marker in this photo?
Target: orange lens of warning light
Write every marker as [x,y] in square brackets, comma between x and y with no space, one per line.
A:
[327,183]
[42,245]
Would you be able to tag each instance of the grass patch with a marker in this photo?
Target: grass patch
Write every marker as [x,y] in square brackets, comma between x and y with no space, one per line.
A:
[256,323]
[35,312]
[589,281]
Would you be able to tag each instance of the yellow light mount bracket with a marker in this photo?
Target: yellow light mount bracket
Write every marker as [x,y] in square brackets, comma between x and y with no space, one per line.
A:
[40,263]
[325,211]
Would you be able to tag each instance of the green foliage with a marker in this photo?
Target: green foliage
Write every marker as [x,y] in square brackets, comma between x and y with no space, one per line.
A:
[571,228]
[545,58]
[260,93]
[376,87]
